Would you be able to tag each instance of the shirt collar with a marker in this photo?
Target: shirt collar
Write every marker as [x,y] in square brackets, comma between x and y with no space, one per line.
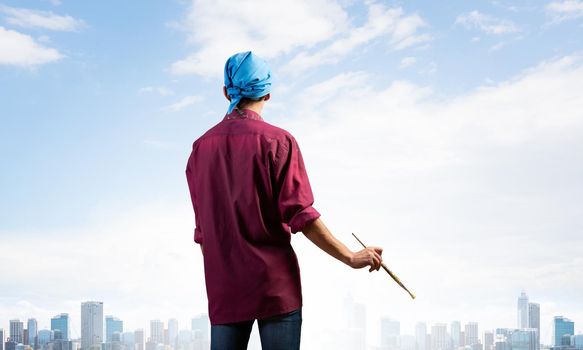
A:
[242,114]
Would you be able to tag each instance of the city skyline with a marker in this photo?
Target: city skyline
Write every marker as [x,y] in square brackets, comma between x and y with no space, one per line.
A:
[102,329]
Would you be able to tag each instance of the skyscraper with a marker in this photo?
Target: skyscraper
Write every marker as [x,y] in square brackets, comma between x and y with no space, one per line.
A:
[16,331]
[562,326]
[488,340]
[523,339]
[45,336]
[439,336]
[421,335]
[471,333]
[534,321]
[390,332]
[200,327]
[1,339]
[32,327]
[91,325]
[139,340]
[61,323]
[172,331]
[522,311]
[112,325]
[157,331]
[456,329]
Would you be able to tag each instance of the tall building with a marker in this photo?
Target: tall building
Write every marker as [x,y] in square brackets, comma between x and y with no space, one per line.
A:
[471,333]
[127,339]
[354,335]
[172,331]
[534,320]
[1,339]
[523,339]
[390,332]
[439,340]
[139,339]
[522,311]
[456,329]
[112,325]
[91,325]
[488,340]
[61,323]
[32,327]
[157,331]
[16,331]
[562,326]
[45,336]
[200,326]
[421,336]
[577,341]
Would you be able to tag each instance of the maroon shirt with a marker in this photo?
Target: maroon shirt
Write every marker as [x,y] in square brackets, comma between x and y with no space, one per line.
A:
[249,189]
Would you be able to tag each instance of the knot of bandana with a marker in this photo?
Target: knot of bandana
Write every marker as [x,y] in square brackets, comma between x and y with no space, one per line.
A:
[246,75]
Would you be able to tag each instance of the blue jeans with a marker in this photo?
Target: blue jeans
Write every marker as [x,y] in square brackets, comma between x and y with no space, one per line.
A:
[281,332]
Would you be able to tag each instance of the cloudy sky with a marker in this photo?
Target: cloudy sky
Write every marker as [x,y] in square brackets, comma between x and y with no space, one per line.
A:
[451,136]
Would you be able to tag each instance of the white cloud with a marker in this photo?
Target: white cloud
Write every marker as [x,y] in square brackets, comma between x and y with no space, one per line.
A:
[565,10]
[183,103]
[40,19]
[486,23]
[22,50]
[407,61]
[161,90]
[270,28]
[400,30]
[221,29]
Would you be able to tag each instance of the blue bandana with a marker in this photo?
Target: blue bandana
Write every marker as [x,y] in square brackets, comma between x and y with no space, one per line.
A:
[246,75]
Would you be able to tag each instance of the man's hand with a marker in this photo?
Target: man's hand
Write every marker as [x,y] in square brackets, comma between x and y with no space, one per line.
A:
[370,256]
[319,234]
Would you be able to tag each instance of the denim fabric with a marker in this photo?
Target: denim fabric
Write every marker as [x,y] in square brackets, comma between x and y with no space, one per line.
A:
[280,332]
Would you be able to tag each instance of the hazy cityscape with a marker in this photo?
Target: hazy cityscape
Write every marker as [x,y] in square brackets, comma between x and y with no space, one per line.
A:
[99,332]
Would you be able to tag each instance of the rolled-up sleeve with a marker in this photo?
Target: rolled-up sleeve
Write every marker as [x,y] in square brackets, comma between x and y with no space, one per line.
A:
[295,198]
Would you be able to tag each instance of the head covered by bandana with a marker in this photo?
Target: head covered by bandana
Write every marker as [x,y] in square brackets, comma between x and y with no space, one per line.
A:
[246,75]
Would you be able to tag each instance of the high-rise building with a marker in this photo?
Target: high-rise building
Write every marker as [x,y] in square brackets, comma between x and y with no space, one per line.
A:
[91,325]
[139,339]
[522,311]
[355,324]
[455,329]
[1,339]
[172,331]
[577,341]
[471,333]
[157,331]
[32,327]
[127,339]
[523,339]
[488,340]
[16,331]
[25,336]
[390,332]
[421,336]
[112,325]
[200,326]
[61,323]
[439,340]
[45,336]
[562,326]
[534,321]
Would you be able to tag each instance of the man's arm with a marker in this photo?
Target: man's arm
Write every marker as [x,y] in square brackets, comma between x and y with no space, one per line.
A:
[319,234]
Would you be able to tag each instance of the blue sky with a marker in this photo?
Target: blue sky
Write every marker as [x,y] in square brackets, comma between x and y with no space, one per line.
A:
[450,134]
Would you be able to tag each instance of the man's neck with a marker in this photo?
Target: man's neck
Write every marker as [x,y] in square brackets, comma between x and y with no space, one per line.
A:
[256,107]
